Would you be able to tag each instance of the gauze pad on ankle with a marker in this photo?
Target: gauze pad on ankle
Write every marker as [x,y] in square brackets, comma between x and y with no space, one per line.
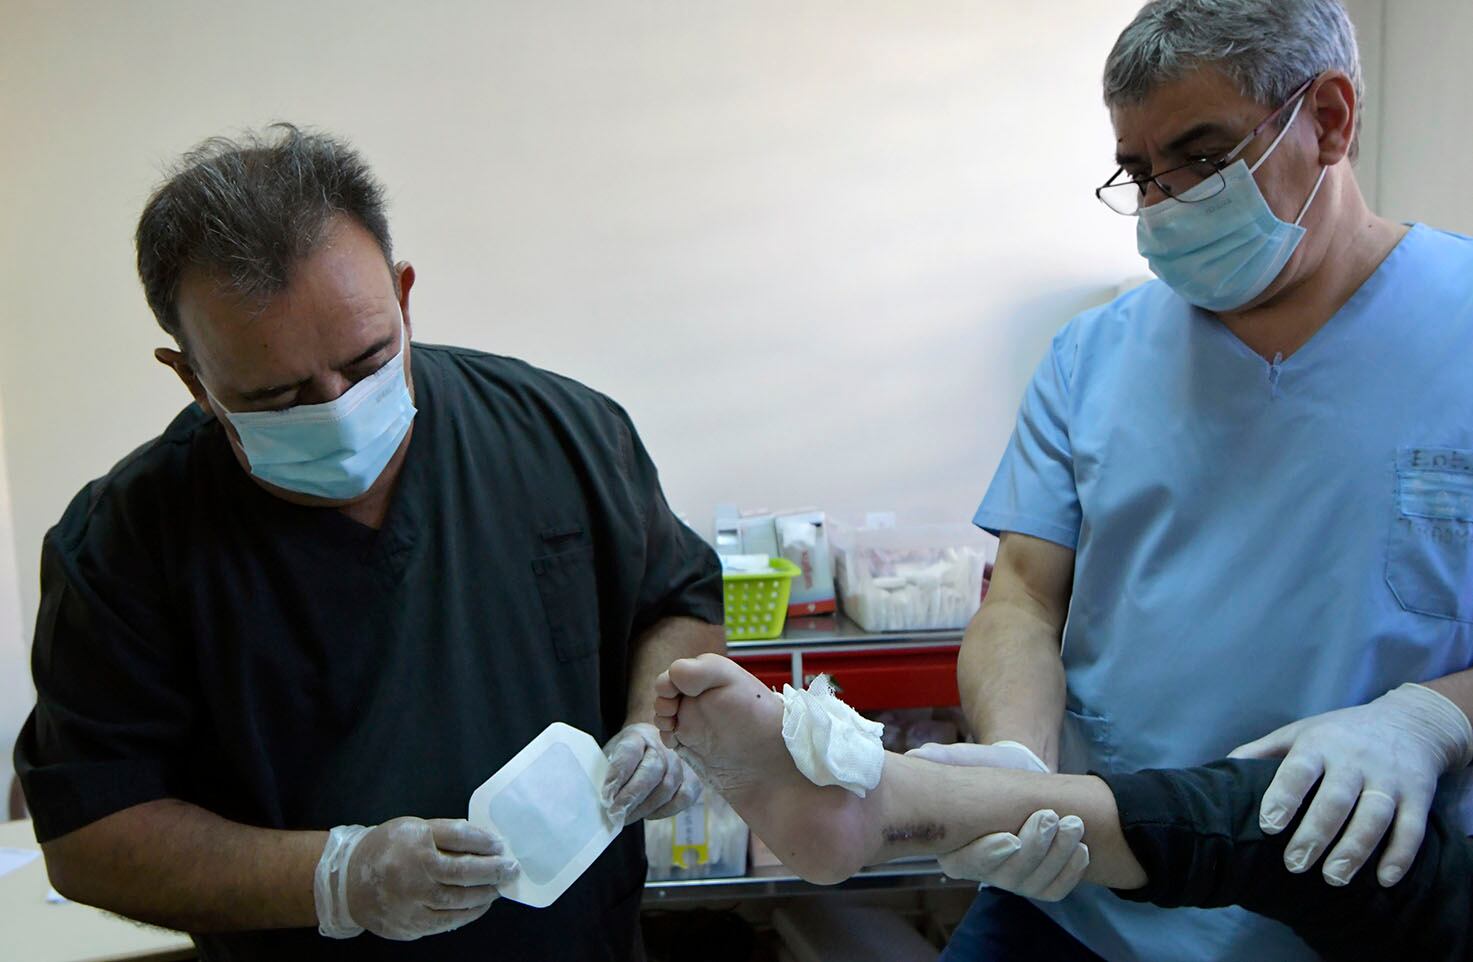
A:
[546,806]
[831,743]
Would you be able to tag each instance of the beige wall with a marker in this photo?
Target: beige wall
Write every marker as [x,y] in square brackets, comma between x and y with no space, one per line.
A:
[16,692]
[1427,130]
[816,248]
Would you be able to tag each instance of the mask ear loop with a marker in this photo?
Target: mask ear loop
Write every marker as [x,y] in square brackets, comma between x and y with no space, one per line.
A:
[1312,194]
[1275,145]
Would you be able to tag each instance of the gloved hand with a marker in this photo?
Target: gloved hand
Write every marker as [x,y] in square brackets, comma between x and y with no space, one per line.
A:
[1044,861]
[646,779]
[1381,759]
[408,878]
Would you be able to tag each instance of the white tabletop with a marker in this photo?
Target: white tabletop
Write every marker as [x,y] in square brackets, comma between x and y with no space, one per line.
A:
[35,931]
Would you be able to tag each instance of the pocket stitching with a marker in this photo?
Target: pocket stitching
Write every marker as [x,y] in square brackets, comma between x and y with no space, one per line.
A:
[1399,514]
[565,647]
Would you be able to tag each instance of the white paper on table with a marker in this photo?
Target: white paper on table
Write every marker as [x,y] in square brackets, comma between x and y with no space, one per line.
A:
[14,858]
[53,897]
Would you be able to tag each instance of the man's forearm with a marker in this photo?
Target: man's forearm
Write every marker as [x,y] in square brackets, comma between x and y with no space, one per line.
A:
[663,643]
[1012,677]
[174,864]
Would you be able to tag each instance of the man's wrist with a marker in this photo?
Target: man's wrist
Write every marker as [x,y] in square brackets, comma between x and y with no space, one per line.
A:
[330,883]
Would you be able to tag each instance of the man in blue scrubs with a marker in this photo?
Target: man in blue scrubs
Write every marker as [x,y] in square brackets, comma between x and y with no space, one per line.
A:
[1237,510]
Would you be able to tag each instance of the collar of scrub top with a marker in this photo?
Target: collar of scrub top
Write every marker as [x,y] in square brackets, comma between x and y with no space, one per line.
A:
[1220,163]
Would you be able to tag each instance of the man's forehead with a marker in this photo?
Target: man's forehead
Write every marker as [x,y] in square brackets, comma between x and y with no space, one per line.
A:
[243,343]
[1200,97]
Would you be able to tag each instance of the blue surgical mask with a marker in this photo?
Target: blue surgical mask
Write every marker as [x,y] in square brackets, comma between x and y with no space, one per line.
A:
[335,450]
[1222,250]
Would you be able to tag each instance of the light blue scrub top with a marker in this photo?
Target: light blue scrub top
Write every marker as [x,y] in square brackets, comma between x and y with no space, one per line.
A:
[1256,542]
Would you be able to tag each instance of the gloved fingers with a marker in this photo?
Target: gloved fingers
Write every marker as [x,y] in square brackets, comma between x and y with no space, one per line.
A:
[1373,815]
[457,898]
[1295,777]
[1276,744]
[472,871]
[979,859]
[459,835]
[635,769]
[1068,836]
[1069,878]
[1001,755]
[625,753]
[964,753]
[1407,832]
[665,688]
[1036,835]
[688,794]
[448,920]
[1323,820]
[630,805]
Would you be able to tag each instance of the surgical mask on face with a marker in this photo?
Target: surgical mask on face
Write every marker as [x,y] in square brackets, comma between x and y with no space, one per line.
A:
[335,450]
[545,805]
[1221,251]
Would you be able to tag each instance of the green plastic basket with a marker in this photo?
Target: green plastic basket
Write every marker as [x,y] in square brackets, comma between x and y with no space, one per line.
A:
[757,604]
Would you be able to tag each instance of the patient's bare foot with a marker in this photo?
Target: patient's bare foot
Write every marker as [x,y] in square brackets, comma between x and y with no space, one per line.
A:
[732,726]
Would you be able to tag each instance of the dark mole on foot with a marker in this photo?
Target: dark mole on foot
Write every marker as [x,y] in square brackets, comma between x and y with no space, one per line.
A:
[918,832]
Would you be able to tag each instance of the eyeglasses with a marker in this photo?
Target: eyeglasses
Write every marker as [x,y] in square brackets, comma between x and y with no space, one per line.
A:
[1127,196]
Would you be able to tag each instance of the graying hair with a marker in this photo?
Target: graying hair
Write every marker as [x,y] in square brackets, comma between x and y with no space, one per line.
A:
[1267,47]
[247,210]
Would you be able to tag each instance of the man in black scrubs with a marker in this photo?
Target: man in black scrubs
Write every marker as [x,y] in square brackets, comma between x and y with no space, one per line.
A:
[342,589]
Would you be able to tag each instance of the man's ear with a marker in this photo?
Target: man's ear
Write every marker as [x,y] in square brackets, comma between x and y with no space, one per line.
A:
[404,278]
[1333,103]
[179,364]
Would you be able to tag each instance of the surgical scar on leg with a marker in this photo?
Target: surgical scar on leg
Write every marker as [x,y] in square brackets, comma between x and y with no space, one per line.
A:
[914,832]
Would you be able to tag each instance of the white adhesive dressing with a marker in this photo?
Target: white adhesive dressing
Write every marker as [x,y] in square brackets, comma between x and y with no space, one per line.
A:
[544,804]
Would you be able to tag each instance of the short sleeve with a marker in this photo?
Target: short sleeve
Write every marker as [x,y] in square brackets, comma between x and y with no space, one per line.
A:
[681,576]
[1033,492]
[112,714]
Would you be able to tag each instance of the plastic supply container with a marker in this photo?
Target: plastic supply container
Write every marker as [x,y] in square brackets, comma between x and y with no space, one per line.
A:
[707,840]
[757,601]
[911,577]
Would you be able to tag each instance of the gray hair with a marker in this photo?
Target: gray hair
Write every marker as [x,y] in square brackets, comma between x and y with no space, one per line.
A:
[1267,47]
[247,210]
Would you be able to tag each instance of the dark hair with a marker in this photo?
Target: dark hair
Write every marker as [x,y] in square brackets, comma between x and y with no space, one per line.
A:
[249,209]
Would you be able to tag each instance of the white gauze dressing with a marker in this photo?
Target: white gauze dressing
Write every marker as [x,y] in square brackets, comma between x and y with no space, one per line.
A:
[831,743]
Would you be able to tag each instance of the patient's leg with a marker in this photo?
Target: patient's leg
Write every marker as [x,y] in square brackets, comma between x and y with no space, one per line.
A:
[732,725]
[1181,837]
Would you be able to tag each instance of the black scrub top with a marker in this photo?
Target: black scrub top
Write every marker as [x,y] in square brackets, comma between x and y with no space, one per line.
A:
[286,667]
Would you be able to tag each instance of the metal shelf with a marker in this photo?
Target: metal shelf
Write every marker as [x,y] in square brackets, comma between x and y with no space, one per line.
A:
[827,631]
[778,882]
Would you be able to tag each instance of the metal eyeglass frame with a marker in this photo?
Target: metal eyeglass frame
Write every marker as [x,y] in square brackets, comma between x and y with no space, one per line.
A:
[1217,165]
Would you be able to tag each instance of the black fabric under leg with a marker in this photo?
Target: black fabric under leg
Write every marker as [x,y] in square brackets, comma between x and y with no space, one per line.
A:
[1195,832]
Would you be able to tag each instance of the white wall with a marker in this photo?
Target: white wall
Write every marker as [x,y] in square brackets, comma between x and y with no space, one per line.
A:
[816,248]
[1369,18]
[1427,130]
[16,692]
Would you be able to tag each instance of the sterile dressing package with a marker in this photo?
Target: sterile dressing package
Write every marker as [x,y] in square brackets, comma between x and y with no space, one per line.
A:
[545,805]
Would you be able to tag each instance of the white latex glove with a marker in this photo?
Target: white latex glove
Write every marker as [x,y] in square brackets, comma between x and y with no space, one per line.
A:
[408,878]
[1044,861]
[646,779]
[1381,760]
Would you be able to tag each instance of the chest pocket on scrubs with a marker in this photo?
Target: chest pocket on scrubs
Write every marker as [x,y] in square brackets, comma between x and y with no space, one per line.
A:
[568,588]
[1429,561]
